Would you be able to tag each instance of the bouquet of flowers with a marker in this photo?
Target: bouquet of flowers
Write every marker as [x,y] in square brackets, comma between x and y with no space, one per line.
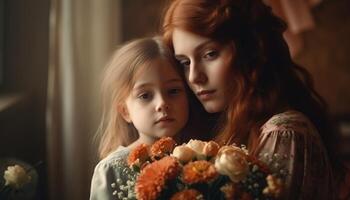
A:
[199,170]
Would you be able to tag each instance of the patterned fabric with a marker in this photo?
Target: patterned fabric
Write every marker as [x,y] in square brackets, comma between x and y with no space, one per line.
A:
[292,136]
[109,174]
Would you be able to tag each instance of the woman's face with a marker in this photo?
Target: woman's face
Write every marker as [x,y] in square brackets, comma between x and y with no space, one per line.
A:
[207,65]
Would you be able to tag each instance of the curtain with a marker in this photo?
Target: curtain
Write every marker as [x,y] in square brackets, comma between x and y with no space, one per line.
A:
[83,34]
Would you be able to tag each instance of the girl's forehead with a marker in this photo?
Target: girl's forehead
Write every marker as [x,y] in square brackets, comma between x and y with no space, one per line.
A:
[156,69]
[152,63]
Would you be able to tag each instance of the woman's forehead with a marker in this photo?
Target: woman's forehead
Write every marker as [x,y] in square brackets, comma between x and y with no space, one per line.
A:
[185,40]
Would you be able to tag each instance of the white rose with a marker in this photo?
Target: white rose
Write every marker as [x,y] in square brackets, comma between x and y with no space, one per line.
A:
[16,176]
[232,161]
[183,153]
[198,147]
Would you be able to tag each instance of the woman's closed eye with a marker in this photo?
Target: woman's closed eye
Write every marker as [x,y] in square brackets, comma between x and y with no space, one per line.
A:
[210,55]
[185,62]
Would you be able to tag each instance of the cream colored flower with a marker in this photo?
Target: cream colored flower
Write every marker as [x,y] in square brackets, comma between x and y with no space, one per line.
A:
[232,161]
[196,145]
[184,153]
[211,148]
[274,186]
[16,176]
[203,149]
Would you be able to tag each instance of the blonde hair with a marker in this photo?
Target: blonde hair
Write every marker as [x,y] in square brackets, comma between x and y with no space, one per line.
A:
[119,78]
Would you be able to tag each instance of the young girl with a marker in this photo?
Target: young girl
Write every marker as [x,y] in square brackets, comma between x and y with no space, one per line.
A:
[145,99]
[237,63]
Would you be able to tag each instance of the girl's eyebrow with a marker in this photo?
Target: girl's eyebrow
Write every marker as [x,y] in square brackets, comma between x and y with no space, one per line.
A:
[174,80]
[143,85]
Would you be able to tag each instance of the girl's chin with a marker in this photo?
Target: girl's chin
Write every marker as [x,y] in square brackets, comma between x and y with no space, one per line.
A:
[168,134]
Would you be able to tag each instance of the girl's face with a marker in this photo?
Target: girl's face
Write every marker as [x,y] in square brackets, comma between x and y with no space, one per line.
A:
[157,105]
[208,66]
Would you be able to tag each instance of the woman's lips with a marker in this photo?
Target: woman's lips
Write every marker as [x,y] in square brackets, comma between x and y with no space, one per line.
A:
[205,94]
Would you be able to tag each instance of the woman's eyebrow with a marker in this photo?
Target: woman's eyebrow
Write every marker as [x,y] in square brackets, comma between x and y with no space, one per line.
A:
[196,49]
[203,45]
[179,56]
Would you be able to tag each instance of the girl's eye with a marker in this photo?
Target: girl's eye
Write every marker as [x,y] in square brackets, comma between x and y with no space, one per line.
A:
[174,91]
[145,96]
[210,55]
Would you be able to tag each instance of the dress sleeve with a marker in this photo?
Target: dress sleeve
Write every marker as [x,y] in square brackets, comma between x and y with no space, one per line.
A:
[293,137]
[110,175]
[101,182]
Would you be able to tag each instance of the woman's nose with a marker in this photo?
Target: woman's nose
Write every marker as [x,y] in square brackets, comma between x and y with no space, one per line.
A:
[197,75]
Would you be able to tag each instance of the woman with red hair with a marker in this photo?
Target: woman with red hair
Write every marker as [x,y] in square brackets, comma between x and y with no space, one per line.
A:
[238,64]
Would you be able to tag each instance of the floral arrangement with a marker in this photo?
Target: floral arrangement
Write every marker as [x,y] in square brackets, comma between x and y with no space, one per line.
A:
[199,170]
[18,180]
[15,176]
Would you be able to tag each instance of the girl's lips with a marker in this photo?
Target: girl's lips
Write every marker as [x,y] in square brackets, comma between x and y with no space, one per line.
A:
[164,123]
[164,120]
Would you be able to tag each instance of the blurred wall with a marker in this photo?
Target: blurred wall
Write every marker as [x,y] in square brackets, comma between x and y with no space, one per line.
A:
[22,124]
[327,54]
[141,18]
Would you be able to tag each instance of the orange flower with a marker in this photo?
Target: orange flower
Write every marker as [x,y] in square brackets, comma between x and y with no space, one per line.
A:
[229,190]
[138,156]
[199,172]
[189,194]
[162,147]
[153,177]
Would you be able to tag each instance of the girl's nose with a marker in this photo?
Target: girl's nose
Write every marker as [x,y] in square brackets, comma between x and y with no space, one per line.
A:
[162,105]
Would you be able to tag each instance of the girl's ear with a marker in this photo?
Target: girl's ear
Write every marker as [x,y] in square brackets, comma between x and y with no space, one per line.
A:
[123,110]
